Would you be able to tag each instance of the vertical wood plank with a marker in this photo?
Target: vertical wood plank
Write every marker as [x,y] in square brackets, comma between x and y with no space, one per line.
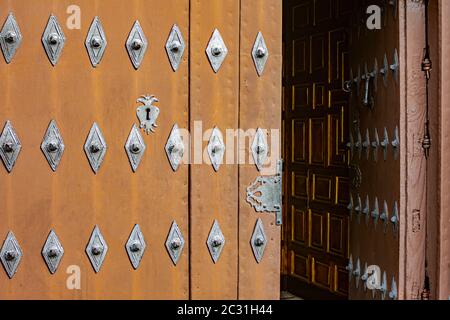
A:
[260,107]
[214,100]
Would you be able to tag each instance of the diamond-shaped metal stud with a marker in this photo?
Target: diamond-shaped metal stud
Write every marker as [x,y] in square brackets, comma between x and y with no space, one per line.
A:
[95,147]
[175,148]
[136,246]
[11,254]
[258,241]
[10,146]
[96,249]
[10,38]
[136,45]
[53,39]
[216,50]
[175,47]
[175,243]
[216,148]
[96,42]
[260,54]
[53,145]
[135,147]
[52,252]
[216,241]
[259,149]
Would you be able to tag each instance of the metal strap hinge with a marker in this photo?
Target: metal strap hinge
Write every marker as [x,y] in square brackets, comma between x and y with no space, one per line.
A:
[265,193]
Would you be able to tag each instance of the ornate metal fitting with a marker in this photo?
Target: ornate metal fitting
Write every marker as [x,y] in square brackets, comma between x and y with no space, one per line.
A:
[384,71]
[357,273]
[383,286]
[395,218]
[260,54]
[366,210]
[96,249]
[385,143]
[175,148]
[216,241]
[95,147]
[216,148]
[135,148]
[393,294]
[384,217]
[53,145]
[365,277]
[350,145]
[265,193]
[136,45]
[375,145]
[395,66]
[216,50]
[10,146]
[52,252]
[396,143]
[260,149]
[366,144]
[376,211]
[350,204]
[10,38]
[368,99]
[175,47]
[358,144]
[10,254]
[358,208]
[349,268]
[96,42]
[53,40]
[258,241]
[136,246]
[175,243]
[148,113]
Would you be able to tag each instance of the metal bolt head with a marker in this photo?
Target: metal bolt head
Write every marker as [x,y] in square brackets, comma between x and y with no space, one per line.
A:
[217,50]
[10,255]
[135,148]
[261,52]
[97,250]
[259,241]
[135,246]
[8,147]
[96,42]
[53,39]
[11,37]
[175,46]
[53,252]
[53,145]
[175,244]
[136,44]
[95,147]
[217,241]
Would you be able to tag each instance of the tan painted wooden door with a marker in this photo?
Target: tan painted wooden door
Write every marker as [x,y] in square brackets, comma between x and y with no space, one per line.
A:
[316,39]
[73,199]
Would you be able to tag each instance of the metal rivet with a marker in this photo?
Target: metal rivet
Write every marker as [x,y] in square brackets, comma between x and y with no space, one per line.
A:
[10,255]
[136,44]
[97,250]
[175,46]
[11,37]
[135,246]
[96,42]
[53,145]
[8,147]
[53,252]
[53,39]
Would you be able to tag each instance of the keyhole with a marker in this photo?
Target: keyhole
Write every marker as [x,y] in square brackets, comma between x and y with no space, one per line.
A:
[148,114]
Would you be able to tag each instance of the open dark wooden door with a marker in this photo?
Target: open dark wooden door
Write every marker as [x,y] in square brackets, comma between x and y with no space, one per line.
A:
[316,111]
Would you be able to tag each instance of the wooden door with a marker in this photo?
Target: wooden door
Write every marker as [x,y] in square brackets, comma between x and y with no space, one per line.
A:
[73,199]
[316,112]
[375,198]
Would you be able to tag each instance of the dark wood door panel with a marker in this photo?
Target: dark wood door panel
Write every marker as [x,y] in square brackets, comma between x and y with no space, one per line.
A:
[316,127]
